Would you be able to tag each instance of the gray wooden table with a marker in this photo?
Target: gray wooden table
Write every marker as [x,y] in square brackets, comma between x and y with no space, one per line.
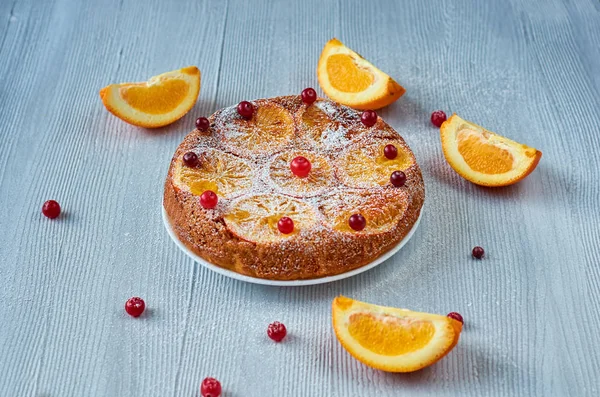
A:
[527,69]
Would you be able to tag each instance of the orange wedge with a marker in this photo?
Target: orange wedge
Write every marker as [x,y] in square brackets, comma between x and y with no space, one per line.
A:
[160,101]
[484,158]
[348,78]
[254,218]
[390,339]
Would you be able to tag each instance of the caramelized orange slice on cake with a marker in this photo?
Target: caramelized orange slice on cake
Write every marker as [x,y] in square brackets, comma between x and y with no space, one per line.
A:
[367,166]
[161,100]
[382,209]
[484,158]
[391,339]
[319,178]
[324,126]
[314,122]
[254,218]
[223,173]
[315,117]
[269,130]
[348,78]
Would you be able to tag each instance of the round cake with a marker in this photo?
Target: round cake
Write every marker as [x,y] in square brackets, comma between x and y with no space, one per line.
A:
[345,212]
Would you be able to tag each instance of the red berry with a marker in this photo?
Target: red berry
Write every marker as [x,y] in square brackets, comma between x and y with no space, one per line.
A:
[202,123]
[438,117]
[357,222]
[210,387]
[190,159]
[456,316]
[368,118]
[276,331]
[390,152]
[135,306]
[245,109]
[51,209]
[285,225]
[309,96]
[478,252]
[209,199]
[300,166]
[398,178]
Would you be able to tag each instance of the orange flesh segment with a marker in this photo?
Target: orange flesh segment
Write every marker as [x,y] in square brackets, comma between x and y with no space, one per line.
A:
[156,99]
[346,76]
[482,156]
[389,335]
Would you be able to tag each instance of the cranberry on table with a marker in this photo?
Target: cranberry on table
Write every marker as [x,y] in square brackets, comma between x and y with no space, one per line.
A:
[285,225]
[357,222]
[202,123]
[209,199]
[190,159]
[210,387]
[135,306]
[309,96]
[300,166]
[478,252]
[245,109]
[390,152]
[51,209]
[398,178]
[456,316]
[368,118]
[438,117]
[276,331]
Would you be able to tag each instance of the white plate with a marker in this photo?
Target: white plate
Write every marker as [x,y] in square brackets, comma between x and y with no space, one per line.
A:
[313,281]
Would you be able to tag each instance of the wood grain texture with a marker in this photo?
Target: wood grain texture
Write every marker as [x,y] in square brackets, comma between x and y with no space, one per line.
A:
[526,69]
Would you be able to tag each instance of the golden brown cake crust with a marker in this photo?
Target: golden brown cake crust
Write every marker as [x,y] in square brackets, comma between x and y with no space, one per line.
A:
[316,251]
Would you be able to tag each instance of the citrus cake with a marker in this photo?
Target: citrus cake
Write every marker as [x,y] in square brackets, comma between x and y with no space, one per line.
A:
[292,187]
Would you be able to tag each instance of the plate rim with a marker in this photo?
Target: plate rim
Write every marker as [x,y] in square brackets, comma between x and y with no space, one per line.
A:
[287,283]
